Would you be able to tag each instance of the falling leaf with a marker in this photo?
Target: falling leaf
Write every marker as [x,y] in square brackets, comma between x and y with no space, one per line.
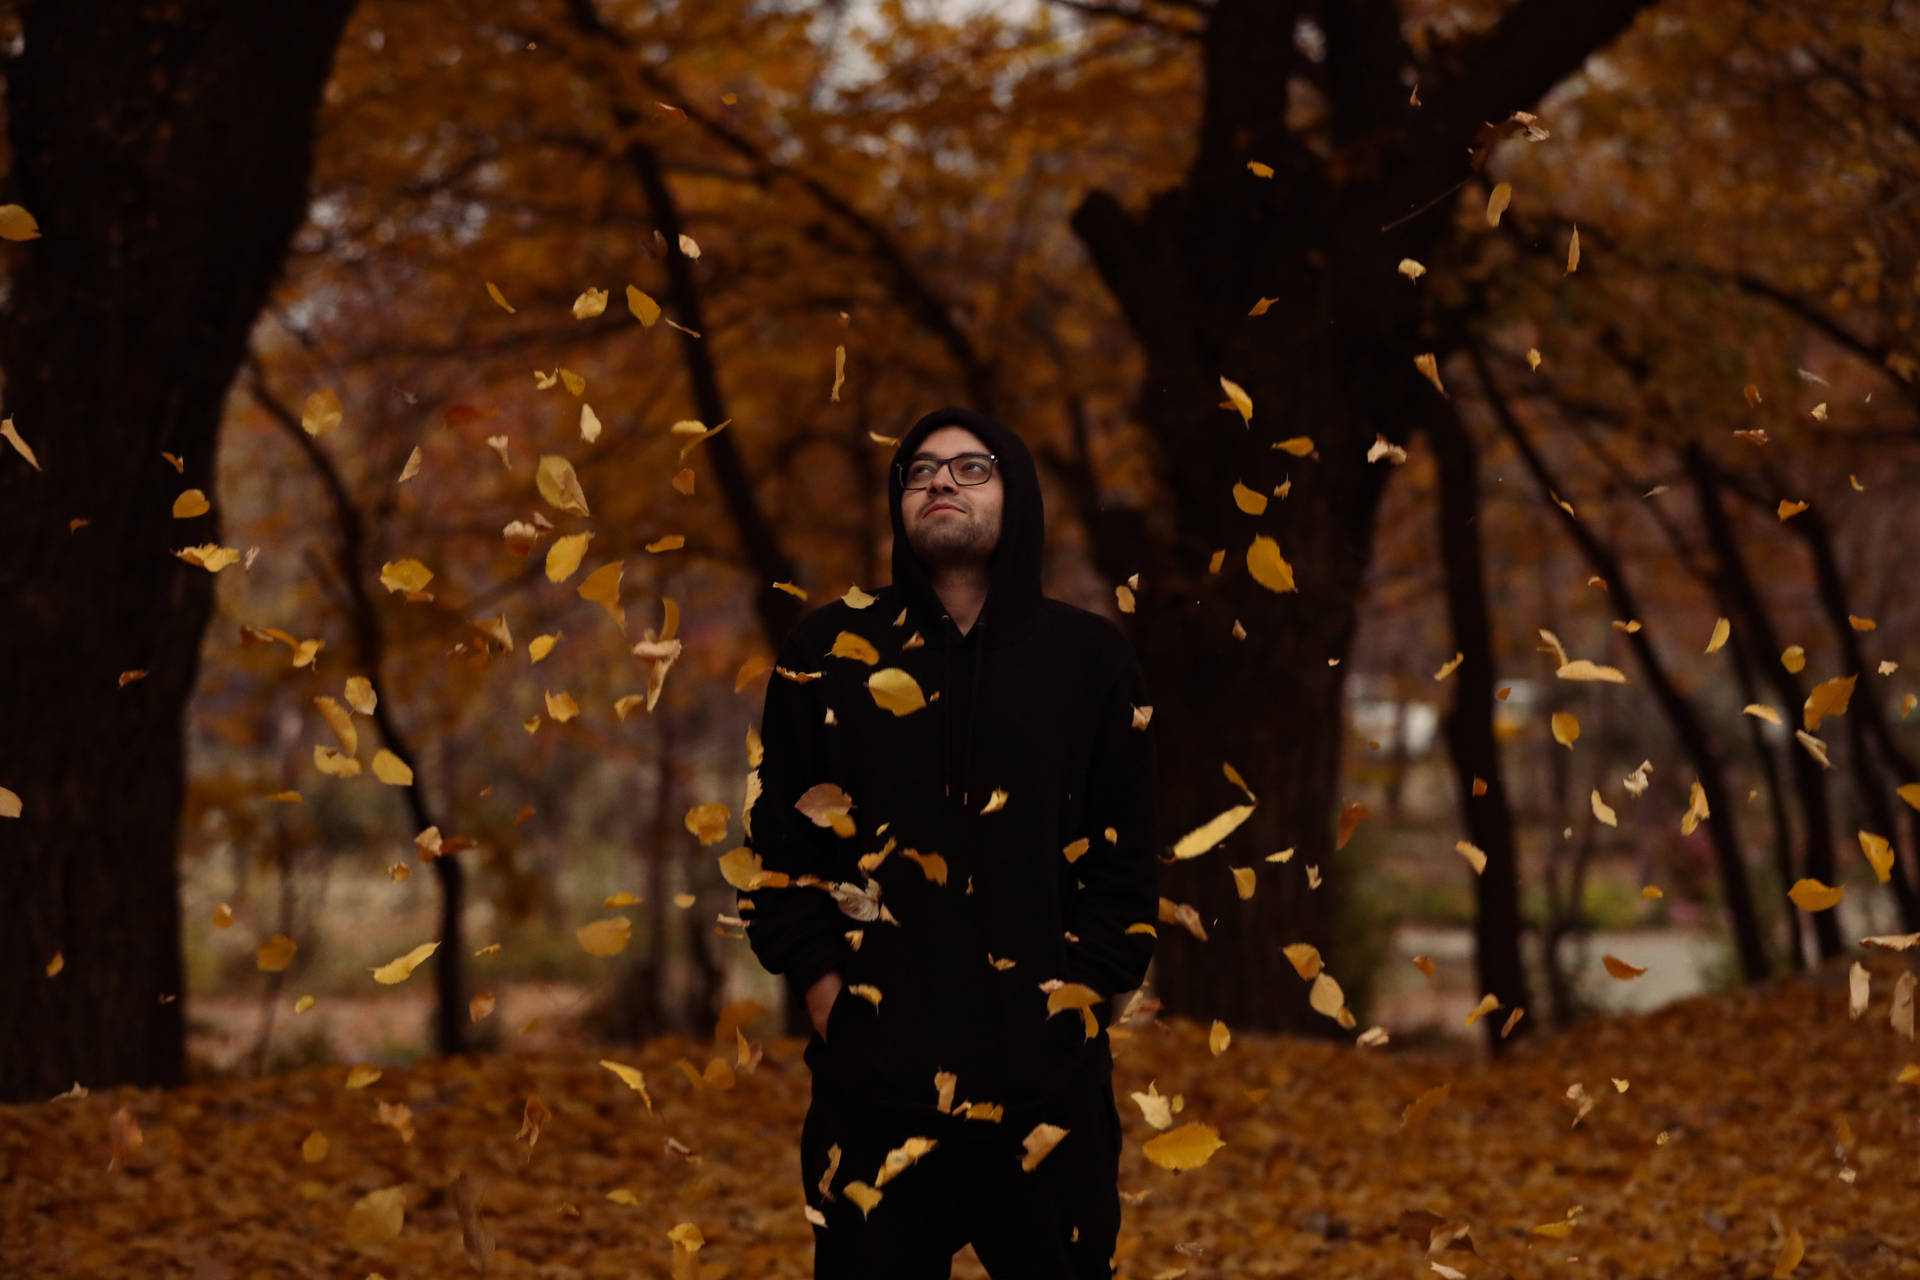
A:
[1696,809]
[856,647]
[1261,307]
[1792,1250]
[1239,399]
[1430,368]
[400,968]
[1788,510]
[839,373]
[644,309]
[1497,202]
[1721,630]
[1350,818]
[1573,251]
[1243,882]
[1810,895]
[602,587]
[405,575]
[17,224]
[314,1148]
[1422,1106]
[1583,670]
[376,1217]
[564,556]
[1793,658]
[191,503]
[1603,811]
[560,486]
[895,690]
[605,937]
[1879,854]
[589,424]
[1410,269]
[1268,567]
[12,437]
[1858,990]
[1760,712]
[1475,856]
[1566,728]
[1188,1147]
[493,291]
[1385,448]
[708,822]
[667,542]
[1211,832]
[1488,1003]
[391,769]
[276,953]
[1620,968]
[9,803]
[360,695]
[1450,666]
[321,413]
[1829,698]
[589,304]
[361,1074]
[996,801]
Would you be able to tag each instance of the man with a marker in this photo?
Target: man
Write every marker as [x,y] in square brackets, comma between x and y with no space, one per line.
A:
[985,847]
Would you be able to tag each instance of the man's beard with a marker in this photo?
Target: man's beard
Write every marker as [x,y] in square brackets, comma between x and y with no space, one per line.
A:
[945,540]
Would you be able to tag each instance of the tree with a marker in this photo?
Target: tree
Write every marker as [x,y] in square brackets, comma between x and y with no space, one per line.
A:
[165,153]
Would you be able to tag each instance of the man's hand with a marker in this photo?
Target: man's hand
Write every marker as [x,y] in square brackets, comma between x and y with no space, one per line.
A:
[820,998]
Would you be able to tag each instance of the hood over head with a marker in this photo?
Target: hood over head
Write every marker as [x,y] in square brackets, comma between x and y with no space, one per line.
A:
[1014,569]
[1013,589]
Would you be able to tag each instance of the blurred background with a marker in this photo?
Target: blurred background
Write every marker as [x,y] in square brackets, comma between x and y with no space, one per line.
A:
[1626,379]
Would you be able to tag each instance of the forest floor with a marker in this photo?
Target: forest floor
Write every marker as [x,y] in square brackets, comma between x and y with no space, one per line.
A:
[1756,1133]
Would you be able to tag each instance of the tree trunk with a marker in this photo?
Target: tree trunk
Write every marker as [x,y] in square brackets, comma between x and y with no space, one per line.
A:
[165,152]
[1469,723]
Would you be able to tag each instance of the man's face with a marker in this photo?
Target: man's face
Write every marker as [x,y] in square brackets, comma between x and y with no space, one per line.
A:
[947,522]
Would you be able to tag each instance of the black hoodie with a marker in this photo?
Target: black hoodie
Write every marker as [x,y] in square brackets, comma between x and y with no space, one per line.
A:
[976,910]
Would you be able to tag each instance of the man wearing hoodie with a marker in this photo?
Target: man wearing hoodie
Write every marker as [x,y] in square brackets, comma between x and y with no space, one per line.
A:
[955,824]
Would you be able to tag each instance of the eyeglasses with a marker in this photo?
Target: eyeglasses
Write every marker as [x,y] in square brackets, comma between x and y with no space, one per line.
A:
[965,468]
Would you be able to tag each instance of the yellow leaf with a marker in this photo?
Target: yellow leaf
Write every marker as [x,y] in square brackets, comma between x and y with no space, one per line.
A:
[276,953]
[564,556]
[1430,367]
[1241,400]
[667,542]
[405,575]
[559,485]
[895,690]
[12,437]
[1788,510]
[709,822]
[493,291]
[1218,1038]
[687,1236]
[1566,728]
[191,503]
[1268,567]
[605,937]
[1760,712]
[314,1149]
[589,304]
[1793,658]
[839,373]
[624,1195]
[589,424]
[1792,1250]
[1488,1003]
[1879,852]
[1721,630]
[1475,856]
[333,764]
[1573,251]
[1829,698]
[1620,968]
[360,695]
[1251,501]
[1123,596]
[1259,170]
[376,1217]
[996,801]
[1604,811]
[644,309]
[1450,666]
[560,706]
[321,413]
[1582,669]
[859,648]
[863,1195]
[9,803]
[602,587]
[1260,308]
[1188,1147]
[1696,809]
[1554,1230]
[360,1075]
[1811,895]
[400,968]
[1305,959]
[1422,1106]
[1497,202]
[17,224]
[391,769]
[1325,995]
[1243,882]
[340,722]
[1298,446]
[1411,269]
[540,646]
[1211,832]
[631,1077]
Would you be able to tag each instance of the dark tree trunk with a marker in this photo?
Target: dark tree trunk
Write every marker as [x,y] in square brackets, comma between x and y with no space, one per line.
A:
[1320,364]
[165,152]
[1809,784]
[1722,826]
[1469,723]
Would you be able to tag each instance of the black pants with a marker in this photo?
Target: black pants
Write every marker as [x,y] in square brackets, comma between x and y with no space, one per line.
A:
[1058,1222]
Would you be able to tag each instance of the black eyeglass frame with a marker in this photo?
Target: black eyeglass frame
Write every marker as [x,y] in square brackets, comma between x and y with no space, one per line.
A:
[993,463]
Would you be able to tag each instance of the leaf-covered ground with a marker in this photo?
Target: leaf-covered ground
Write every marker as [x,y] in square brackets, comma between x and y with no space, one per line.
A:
[1752,1126]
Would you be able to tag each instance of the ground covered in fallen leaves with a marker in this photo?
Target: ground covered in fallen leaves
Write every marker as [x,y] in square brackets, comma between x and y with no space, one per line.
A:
[1759,1133]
